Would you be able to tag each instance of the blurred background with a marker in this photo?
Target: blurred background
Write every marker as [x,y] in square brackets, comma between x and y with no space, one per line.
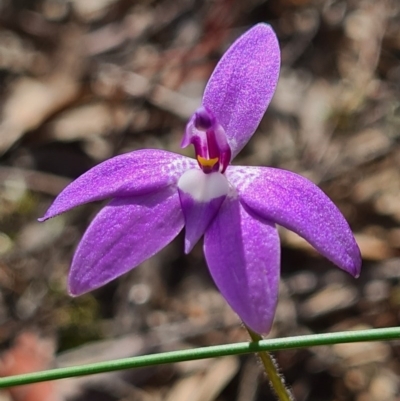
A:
[82,81]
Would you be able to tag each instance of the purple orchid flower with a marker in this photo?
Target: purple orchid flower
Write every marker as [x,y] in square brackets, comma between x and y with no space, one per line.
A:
[156,193]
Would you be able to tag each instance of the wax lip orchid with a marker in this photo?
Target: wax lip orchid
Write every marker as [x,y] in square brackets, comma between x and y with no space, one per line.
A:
[156,193]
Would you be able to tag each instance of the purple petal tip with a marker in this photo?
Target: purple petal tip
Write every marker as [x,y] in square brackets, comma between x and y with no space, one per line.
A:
[74,294]
[355,269]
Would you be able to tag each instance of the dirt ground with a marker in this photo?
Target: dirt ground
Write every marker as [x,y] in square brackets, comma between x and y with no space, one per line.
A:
[81,81]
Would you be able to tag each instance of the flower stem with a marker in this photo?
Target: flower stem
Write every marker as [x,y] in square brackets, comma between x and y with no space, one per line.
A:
[276,379]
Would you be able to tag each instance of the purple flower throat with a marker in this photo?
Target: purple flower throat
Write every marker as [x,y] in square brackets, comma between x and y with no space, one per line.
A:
[209,140]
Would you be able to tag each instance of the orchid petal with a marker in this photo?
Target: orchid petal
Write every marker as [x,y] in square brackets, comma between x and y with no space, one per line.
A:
[124,234]
[243,255]
[299,205]
[201,197]
[243,83]
[130,174]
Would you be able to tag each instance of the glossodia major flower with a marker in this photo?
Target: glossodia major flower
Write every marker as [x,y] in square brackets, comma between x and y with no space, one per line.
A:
[155,193]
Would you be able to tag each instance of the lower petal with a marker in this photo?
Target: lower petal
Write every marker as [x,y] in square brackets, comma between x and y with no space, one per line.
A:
[243,255]
[201,197]
[125,233]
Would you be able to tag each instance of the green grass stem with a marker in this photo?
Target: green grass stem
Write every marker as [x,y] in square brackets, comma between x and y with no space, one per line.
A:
[304,341]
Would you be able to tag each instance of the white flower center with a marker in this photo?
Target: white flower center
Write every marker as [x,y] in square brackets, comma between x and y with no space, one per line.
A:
[203,187]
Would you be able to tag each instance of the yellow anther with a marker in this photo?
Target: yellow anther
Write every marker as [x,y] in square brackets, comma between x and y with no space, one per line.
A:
[210,163]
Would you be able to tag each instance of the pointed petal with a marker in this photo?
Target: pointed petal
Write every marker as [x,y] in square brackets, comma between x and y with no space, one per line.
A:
[299,205]
[123,235]
[201,196]
[243,255]
[130,174]
[243,83]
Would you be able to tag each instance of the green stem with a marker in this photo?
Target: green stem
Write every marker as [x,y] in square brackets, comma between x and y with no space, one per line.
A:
[276,379]
[203,353]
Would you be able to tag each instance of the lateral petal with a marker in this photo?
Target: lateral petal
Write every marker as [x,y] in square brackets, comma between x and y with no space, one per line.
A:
[243,254]
[135,173]
[243,83]
[124,234]
[296,203]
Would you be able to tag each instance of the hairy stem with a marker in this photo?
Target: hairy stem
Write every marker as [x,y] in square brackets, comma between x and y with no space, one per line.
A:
[276,379]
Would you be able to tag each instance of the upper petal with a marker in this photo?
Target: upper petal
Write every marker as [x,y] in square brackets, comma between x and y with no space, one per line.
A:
[133,173]
[243,254]
[299,205]
[124,234]
[243,83]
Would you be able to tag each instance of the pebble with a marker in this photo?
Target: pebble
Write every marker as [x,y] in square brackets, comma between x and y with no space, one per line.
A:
[331,298]
[357,354]
[302,283]
[384,387]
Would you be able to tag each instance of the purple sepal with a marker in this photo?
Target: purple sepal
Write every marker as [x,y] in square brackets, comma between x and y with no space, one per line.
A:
[198,216]
[243,255]
[124,234]
[130,174]
[243,83]
[296,203]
